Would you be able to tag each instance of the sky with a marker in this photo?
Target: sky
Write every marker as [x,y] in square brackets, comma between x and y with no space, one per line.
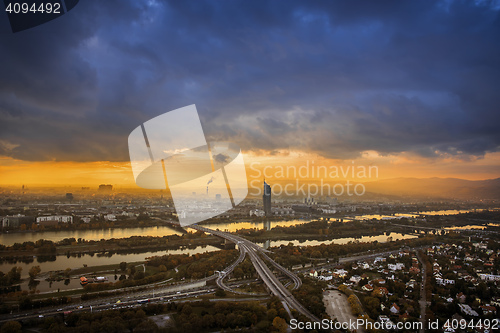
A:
[409,86]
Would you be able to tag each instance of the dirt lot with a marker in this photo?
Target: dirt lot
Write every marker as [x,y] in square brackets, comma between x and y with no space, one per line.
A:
[162,320]
[337,306]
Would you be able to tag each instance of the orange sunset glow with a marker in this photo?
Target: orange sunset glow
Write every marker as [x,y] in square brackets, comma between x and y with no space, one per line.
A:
[53,173]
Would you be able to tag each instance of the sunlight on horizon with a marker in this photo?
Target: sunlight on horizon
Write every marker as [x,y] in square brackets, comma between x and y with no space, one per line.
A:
[276,167]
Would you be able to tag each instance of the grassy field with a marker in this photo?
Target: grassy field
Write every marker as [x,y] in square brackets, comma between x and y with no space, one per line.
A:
[67,293]
[104,268]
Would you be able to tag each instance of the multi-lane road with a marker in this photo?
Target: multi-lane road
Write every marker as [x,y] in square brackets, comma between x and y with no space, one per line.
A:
[134,299]
[270,280]
[422,301]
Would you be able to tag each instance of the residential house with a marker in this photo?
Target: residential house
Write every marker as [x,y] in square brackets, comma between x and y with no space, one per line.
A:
[394,308]
[367,287]
[461,297]
[488,309]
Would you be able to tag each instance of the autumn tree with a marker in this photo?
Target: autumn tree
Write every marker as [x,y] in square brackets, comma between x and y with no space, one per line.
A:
[187,309]
[279,325]
[13,276]
[372,305]
[11,327]
[238,273]
[271,314]
[146,326]
[123,266]
[34,271]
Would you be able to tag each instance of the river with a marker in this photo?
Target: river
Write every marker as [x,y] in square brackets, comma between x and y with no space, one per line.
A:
[409,215]
[62,262]
[98,234]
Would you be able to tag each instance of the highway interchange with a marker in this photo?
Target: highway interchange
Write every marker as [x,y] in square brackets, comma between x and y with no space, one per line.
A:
[265,274]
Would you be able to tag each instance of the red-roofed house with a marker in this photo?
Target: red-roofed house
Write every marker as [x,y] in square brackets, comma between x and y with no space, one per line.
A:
[394,308]
[488,309]
[381,291]
[461,297]
[367,287]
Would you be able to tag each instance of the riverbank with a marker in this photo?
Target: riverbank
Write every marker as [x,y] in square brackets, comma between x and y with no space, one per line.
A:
[132,223]
[135,244]
[287,230]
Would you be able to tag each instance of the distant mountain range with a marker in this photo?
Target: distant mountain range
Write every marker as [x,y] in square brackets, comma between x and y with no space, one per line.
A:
[446,188]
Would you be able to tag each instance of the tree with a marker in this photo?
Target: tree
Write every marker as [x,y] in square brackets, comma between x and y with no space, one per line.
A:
[11,327]
[34,271]
[279,324]
[238,273]
[220,293]
[14,275]
[187,309]
[110,325]
[146,326]
[354,305]
[208,321]
[316,254]
[271,314]
[32,284]
[56,328]
[123,266]
[372,305]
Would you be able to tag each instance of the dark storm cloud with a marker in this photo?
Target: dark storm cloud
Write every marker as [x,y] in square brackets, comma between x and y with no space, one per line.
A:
[221,158]
[337,78]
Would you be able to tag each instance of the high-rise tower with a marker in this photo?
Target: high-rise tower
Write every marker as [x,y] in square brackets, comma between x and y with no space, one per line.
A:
[266,198]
